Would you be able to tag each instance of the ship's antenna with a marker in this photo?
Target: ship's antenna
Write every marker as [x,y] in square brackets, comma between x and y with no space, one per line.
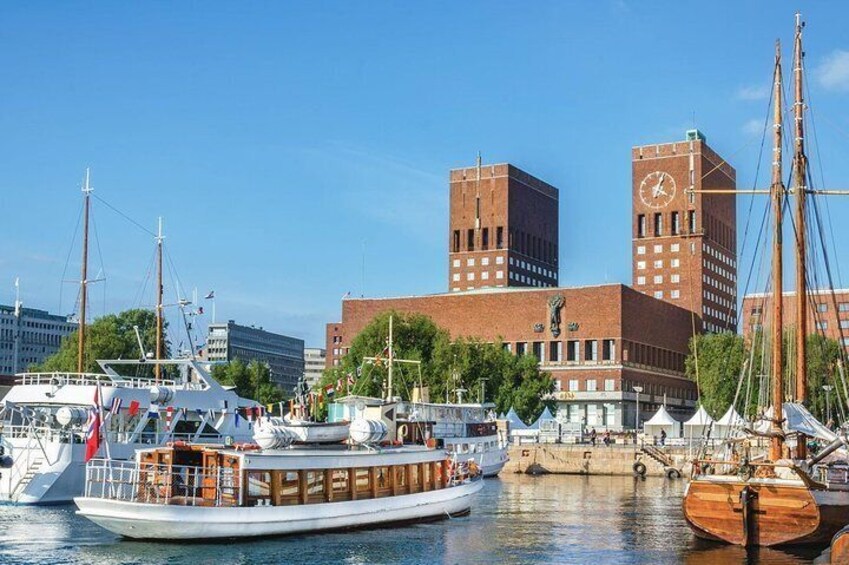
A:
[87,190]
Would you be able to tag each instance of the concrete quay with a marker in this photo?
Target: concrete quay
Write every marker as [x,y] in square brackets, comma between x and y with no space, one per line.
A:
[584,459]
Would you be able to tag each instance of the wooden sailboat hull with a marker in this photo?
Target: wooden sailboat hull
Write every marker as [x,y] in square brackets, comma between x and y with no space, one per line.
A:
[776,513]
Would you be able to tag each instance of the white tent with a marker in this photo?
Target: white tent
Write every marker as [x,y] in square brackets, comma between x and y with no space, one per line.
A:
[699,425]
[516,423]
[662,421]
[731,423]
[546,415]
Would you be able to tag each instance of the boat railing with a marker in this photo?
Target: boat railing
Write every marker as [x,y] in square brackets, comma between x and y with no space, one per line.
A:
[59,379]
[152,483]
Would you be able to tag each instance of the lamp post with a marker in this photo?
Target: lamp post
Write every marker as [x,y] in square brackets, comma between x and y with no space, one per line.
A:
[827,389]
[638,390]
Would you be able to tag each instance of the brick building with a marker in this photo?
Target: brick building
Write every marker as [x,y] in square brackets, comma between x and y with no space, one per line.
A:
[828,313]
[609,339]
[684,242]
[503,229]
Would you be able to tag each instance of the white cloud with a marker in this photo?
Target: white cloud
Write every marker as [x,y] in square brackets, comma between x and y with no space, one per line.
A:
[753,93]
[833,72]
[753,127]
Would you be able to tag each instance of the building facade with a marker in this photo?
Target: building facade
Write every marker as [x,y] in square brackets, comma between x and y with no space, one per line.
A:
[685,242]
[503,229]
[29,336]
[314,364]
[283,354]
[828,313]
[609,339]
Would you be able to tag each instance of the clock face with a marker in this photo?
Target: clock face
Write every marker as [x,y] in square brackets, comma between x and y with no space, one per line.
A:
[657,190]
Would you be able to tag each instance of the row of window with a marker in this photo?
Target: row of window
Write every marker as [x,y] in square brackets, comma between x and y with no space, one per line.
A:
[675,227]
[553,352]
[674,294]
[711,266]
[484,242]
[719,285]
[722,257]
[470,262]
[717,299]
[499,275]
[658,264]
[533,268]
[658,248]
[658,279]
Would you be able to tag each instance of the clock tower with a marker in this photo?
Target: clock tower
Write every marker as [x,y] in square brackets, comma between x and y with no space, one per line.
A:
[685,243]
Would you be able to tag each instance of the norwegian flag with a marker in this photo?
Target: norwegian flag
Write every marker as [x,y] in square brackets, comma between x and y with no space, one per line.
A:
[169,415]
[92,436]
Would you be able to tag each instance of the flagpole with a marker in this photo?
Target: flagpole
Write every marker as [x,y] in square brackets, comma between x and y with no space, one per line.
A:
[103,420]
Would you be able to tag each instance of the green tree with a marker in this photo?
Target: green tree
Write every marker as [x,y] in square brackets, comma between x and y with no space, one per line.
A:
[109,337]
[720,362]
[446,366]
[252,380]
[823,354]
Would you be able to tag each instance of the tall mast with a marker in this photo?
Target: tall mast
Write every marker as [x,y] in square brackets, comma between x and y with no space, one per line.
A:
[84,275]
[159,306]
[799,187]
[777,190]
[389,390]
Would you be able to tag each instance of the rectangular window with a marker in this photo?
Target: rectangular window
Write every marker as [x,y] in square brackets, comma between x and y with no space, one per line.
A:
[676,263]
[822,325]
[676,223]
[658,294]
[555,351]
[470,262]
[675,278]
[455,263]
[485,239]
[691,220]
[470,276]
[289,488]
[675,248]
[573,385]
[658,224]
[843,307]
[485,275]
[573,350]
[675,293]
[641,265]
[470,240]
[456,245]
[822,307]
[537,349]
[499,274]
[641,225]
[641,281]
[521,348]
[844,324]
[658,264]
[609,385]
[590,350]
[608,350]
[499,260]
[485,261]
[641,250]
[499,237]
[455,277]
[592,385]
[658,249]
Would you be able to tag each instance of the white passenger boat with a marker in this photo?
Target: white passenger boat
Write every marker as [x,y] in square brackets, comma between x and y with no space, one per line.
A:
[44,419]
[197,492]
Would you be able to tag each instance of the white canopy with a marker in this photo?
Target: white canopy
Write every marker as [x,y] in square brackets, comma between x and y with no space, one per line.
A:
[662,421]
[797,419]
[516,423]
[729,423]
[699,425]
[546,415]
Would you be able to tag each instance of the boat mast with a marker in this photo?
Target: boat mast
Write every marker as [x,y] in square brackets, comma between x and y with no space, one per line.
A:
[799,188]
[159,239]
[391,361]
[777,190]
[84,275]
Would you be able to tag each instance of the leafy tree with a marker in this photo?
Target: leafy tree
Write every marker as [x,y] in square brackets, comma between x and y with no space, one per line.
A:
[252,380]
[823,354]
[720,362]
[109,337]
[446,366]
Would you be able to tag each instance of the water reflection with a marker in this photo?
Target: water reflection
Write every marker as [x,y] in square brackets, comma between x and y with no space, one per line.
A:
[517,519]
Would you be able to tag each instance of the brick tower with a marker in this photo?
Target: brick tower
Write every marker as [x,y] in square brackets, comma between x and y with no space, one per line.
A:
[503,229]
[685,243]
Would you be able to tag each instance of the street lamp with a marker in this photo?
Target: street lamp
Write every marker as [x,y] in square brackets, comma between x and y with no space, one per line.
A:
[827,389]
[638,390]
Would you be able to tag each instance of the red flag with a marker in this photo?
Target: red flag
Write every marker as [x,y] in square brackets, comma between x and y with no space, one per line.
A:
[169,415]
[92,440]
[134,408]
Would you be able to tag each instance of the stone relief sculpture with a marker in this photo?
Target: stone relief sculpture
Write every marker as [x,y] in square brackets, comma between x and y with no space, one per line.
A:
[555,303]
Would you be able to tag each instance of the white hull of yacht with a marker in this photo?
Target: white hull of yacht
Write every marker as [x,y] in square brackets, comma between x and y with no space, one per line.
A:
[490,462]
[163,522]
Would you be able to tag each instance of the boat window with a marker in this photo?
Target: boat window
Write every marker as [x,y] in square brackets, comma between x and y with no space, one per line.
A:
[363,481]
[340,481]
[259,484]
[383,478]
[401,477]
[427,475]
[289,488]
[315,484]
[415,476]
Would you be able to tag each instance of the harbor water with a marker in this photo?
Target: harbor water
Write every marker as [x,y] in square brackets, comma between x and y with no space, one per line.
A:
[516,519]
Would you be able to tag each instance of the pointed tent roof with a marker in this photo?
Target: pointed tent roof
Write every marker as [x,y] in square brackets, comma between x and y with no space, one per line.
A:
[546,415]
[700,419]
[501,416]
[516,423]
[730,418]
[661,418]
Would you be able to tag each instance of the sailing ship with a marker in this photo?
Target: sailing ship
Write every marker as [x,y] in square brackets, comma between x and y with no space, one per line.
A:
[46,417]
[784,496]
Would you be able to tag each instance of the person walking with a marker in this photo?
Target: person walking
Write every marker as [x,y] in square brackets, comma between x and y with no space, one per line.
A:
[593,437]
[662,437]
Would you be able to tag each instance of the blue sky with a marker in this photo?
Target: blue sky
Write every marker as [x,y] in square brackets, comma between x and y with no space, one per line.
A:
[284,143]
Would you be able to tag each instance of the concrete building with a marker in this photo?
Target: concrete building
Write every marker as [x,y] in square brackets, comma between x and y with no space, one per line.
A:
[283,354]
[29,336]
[828,313]
[314,364]
[685,242]
[503,229]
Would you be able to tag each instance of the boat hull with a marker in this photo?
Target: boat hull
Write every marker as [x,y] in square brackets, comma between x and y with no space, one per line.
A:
[776,514]
[164,522]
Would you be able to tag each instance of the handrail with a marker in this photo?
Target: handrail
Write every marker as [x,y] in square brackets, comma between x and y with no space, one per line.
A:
[93,379]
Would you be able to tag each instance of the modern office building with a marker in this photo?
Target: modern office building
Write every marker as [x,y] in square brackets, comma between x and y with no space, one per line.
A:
[503,229]
[828,313]
[685,242]
[314,364]
[284,355]
[29,336]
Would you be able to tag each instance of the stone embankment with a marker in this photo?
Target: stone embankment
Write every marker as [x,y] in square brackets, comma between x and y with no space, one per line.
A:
[579,459]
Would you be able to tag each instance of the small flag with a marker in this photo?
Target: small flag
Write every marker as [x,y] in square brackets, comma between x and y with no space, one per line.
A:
[116,406]
[133,408]
[210,295]
[350,379]
[330,390]
[92,440]
[169,416]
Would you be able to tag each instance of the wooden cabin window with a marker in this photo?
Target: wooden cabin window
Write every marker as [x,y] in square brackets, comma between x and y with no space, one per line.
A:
[383,480]
[259,484]
[427,476]
[414,476]
[288,489]
[341,484]
[315,485]
[363,482]
[400,485]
